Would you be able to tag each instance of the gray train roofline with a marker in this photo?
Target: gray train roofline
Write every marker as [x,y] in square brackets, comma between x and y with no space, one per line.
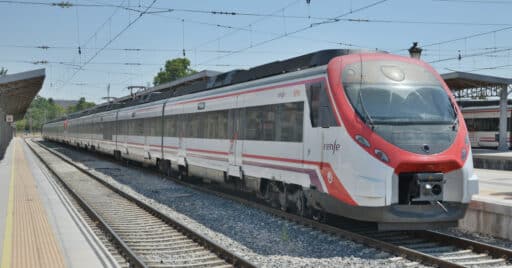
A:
[209,80]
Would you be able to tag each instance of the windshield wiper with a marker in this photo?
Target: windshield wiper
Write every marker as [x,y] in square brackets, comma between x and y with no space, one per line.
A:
[413,122]
[367,118]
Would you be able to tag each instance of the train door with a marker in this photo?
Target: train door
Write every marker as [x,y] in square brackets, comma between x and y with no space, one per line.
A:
[322,143]
[125,131]
[116,133]
[147,132]
[182,141]
[235,143]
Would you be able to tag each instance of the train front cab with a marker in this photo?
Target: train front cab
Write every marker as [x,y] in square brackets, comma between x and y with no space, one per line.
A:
[405,158]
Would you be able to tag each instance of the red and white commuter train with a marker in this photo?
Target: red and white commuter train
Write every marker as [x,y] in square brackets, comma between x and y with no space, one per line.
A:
[369,136]
[482,120]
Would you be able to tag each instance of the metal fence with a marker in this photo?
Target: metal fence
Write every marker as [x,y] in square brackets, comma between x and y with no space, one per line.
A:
[6,133]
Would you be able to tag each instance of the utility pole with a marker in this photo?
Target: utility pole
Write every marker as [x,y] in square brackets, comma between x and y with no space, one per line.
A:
[108,92]
[502,136]
[30,122]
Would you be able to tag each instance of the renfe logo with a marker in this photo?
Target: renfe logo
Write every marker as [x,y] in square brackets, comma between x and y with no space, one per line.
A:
[332,147]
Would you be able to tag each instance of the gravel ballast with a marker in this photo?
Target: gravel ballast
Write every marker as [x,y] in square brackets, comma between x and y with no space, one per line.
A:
[262,238]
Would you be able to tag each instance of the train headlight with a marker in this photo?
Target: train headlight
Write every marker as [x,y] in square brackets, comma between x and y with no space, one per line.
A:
[362,141]
[381,155]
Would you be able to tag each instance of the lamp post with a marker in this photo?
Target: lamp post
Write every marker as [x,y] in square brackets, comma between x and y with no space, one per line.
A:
[415,51]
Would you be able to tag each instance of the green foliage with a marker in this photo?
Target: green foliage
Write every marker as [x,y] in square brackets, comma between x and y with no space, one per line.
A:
[3,71]
[173,69]
[42,110]
[81,105]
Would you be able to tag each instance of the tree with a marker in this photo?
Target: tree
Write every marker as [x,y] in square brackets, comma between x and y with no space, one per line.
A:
[80,106]
[173,69]
[3,71]
[40,111]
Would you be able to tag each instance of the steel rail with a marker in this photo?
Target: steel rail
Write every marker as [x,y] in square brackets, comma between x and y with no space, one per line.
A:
[225,254]
[494,251]
[411,254]
[130,256]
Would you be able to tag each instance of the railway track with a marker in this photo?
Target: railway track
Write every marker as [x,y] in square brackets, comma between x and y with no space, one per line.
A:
[146,237]
[427,247]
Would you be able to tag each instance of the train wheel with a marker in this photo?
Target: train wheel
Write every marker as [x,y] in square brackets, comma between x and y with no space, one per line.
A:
[268,194]
[168,170]
[283,202]
[319,215]
[300,204]
[182,173]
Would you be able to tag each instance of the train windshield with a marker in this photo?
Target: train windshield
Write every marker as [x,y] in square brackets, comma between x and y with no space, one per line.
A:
[394,92]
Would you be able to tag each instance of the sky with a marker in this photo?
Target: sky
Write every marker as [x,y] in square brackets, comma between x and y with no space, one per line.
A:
[120,47]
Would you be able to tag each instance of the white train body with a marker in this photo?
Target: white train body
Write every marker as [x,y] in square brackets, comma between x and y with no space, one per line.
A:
[482,121]
[294,135]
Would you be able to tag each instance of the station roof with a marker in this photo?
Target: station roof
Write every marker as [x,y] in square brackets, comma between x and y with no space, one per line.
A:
[462,80]
[18,90]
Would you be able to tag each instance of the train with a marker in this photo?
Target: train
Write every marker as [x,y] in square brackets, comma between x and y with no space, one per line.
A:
[365,135]
[482,121]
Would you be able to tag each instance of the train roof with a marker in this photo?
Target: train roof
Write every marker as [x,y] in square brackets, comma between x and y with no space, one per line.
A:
[208,80]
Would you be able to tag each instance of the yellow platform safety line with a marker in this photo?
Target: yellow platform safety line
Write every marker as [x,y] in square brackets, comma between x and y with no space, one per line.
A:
[7,247]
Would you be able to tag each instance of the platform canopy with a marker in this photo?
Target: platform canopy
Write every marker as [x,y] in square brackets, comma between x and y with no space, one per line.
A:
[18,90]
[462,80]
[470,85]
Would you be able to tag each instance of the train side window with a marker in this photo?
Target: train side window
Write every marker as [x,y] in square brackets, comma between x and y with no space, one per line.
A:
[201,127]
[290,124]
[211,125]
[222,124]
[170,126]
[148,125]
[269,123]
[192,130]
[253,123]
[107,130]
[121,129]
[321,113]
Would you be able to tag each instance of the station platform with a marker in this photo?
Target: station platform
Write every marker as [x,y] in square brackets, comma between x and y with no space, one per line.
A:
[492,159]
[38,225]
[40,228]
[490,212]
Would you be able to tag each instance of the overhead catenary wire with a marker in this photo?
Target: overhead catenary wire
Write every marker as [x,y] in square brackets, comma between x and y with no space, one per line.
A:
[472,55]
[140,49]
[109,42]
[270,15]
[312,25]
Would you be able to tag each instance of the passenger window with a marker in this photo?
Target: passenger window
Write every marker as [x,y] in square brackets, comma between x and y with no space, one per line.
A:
[321,113]
[222,125]
[278,122]
[290,122]
[253,123]
[192,126]
[268,122]
[170,126]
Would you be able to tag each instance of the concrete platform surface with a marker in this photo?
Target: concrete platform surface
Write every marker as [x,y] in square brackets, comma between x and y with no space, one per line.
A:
[38,225]
[491,152]
[490,212]
[495,185]
[492,159]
